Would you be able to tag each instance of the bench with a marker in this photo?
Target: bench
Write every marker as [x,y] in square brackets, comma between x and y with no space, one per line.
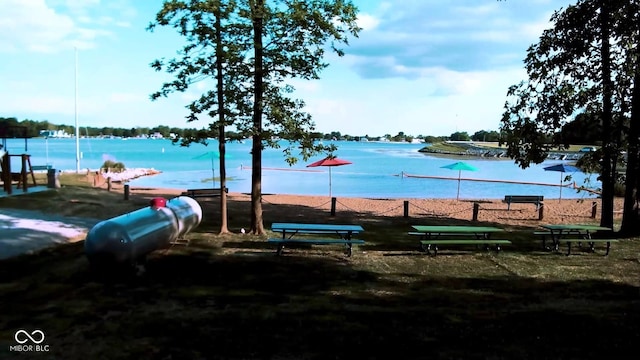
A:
[199,193]
[348,243]
[427,244]
[591,243]
[523,199]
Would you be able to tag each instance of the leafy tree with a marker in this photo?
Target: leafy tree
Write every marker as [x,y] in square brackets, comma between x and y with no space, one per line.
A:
[398,137]
[333,135]
[429,139]
[289,39]
[110,165]
[212,51]
[584,129]
[265,44]
[106,131]
[460,136]
[484,135]
[581,64]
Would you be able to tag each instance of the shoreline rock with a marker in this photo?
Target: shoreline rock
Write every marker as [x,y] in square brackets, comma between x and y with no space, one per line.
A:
[472,150]
[119,177]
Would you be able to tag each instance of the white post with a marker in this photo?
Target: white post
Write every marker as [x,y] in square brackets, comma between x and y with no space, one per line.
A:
[76,114]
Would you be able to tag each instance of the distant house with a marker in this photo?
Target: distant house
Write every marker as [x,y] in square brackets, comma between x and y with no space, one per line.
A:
[54,133]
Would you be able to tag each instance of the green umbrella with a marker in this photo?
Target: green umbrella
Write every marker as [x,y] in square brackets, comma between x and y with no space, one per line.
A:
[460,165]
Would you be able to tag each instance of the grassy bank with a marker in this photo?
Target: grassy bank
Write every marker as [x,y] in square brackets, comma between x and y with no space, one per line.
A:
[229,297]
[462,147]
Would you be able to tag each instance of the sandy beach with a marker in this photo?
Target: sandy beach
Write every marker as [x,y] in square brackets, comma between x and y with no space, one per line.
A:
[490,210]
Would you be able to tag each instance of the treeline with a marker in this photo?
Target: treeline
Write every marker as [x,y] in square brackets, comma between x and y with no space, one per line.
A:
[31,128]
[12,128]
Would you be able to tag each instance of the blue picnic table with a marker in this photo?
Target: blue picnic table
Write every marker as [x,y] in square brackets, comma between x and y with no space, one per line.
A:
[343,234]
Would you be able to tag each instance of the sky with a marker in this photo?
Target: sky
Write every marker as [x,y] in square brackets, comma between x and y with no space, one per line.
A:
[421,67]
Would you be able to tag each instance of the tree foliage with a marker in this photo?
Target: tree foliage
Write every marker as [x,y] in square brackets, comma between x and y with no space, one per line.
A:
[484,135]
[266,44]
[583,64]
[460,136]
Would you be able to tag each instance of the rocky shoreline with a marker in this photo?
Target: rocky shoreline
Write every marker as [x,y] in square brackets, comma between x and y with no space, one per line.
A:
[473,150]
[99,177]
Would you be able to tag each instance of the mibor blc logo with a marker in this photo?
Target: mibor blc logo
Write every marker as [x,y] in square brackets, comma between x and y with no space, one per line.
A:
[29,341]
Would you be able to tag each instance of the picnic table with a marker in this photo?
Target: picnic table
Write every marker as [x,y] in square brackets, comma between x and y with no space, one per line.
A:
[559,232]
[434,235]
[343,235]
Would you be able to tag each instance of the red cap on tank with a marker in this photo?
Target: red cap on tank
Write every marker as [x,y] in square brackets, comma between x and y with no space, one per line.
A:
[158,202]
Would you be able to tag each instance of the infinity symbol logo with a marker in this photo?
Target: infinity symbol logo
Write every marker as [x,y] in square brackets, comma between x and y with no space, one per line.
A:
[22,340]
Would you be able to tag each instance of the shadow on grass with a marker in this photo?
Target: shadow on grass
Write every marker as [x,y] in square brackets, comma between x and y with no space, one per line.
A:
[229,297]
[198,304]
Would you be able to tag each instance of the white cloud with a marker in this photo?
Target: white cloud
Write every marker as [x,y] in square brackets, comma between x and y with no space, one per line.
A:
[31,25]
[49,27]
[464,35]
[438,102]
[367,22]
[418,66]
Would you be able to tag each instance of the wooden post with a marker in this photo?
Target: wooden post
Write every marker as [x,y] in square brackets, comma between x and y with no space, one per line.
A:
[109,183]
[406,208]
[126,192]
[6,173]
[476,209]
[333,206]
[594,209]
[23,172]
[541,211]
[33,177]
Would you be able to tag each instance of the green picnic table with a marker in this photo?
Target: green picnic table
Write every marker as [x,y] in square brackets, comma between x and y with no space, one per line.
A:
[343,235]
[559,232]
[433,235]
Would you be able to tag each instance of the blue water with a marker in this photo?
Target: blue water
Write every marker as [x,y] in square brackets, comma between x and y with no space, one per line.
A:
[374,171]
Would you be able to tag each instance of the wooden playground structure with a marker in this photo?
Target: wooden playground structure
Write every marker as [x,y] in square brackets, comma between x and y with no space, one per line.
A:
[9,177]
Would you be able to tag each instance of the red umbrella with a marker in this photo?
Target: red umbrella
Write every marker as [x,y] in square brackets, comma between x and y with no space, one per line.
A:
[330,161]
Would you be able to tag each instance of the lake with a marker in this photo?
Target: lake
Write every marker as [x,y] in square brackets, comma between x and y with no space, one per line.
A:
[376,169]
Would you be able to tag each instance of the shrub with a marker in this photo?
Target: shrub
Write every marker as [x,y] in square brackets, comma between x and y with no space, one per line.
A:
[113,166]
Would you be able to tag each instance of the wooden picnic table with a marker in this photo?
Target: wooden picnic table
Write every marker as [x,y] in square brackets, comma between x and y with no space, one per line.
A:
[434,235]
[559,232]
[343,232]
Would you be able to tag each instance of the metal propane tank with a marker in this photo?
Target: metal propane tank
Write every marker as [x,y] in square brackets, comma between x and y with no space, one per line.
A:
[128,238]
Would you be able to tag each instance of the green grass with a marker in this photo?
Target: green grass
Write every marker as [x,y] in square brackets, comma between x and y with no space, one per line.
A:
[448,147]
[229,297]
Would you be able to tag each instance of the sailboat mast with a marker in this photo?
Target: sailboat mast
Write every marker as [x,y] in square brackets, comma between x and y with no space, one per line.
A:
[76,114]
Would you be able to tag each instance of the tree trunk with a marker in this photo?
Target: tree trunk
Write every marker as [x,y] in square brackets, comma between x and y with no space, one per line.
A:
[630,218]
[607,146]
[257,226]
[221,118]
